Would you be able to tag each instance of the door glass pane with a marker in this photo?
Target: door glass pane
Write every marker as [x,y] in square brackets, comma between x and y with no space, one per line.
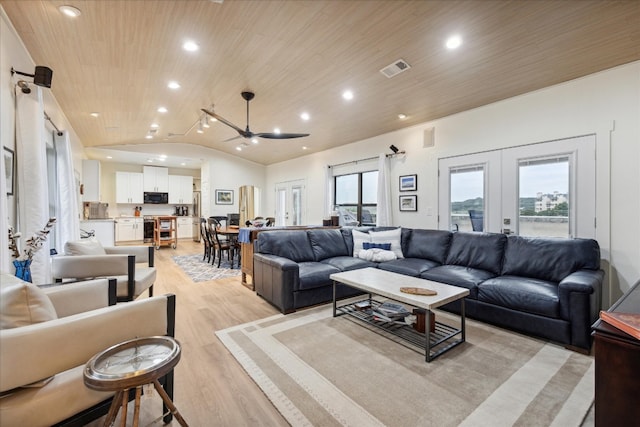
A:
[281,206]
[347,189]
[544,197]
[467,194]
[296,199]
[370,187]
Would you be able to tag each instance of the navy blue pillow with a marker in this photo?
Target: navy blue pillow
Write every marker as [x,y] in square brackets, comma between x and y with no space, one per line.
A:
[369,245]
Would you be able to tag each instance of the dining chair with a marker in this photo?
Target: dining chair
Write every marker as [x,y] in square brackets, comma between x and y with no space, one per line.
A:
[271,221]
[221,244]
[206,239]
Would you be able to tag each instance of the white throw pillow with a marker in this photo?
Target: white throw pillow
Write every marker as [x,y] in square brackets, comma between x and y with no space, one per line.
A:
[358,239]
[90,246]
[389,236]
[23,303]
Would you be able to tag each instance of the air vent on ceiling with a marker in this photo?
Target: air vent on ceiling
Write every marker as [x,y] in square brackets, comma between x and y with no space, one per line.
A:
[395,68]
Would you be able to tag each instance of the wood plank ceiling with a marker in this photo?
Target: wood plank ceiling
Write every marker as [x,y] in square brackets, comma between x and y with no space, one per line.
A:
[118,56]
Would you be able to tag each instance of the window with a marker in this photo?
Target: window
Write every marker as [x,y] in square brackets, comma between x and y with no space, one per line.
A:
[467,194]
[356,197]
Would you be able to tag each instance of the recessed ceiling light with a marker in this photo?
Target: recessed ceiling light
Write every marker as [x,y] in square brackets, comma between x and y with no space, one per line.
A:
[149,137]
[162,160]
[154,126]
[163,156]
[348,95]
[190,46]
[239,148]
[402,116]
[94,114]
[162,110]
[276,130]
[454,42]
[173,85]
[254,140]
[109,157]
[304,147]
[70,11]
[183,164]
[149,160]
[305,116]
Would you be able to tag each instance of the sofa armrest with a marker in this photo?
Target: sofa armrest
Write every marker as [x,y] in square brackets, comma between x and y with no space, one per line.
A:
[90,266]
[276,261]
[275,278]
[143,254]
[580,301]
[78,297]
[32,353]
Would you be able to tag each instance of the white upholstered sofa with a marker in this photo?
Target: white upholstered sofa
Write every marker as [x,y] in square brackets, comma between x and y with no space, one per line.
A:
[49,334]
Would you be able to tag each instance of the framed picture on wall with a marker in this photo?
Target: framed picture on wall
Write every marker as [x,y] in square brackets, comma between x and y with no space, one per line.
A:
[408,182]
[224,197]
[9,168]
[409,203]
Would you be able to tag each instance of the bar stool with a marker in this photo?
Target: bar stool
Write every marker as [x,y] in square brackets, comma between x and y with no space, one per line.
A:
[132,364]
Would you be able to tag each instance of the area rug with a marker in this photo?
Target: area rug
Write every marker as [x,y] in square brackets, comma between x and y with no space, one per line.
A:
[323,371]
[201,271]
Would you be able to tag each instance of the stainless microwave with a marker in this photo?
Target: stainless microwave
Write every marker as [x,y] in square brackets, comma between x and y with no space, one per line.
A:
[156,198]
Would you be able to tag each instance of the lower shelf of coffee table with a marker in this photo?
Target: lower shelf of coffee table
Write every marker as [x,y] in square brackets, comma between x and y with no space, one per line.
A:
[441,340]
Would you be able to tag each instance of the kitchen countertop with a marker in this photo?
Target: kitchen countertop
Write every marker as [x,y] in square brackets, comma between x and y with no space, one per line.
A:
[97,220]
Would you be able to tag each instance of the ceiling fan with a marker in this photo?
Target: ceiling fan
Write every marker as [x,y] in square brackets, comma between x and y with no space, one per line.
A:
[248,96]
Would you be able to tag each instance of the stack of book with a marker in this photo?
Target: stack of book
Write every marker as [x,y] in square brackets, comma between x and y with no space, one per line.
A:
[626,322]
[390,312]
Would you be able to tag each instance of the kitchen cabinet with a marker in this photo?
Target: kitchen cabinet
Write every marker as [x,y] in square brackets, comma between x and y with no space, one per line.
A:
[103,230]
[129,230]
[91,180]
[129,187]
[185,227]
[156,179]
[180,190]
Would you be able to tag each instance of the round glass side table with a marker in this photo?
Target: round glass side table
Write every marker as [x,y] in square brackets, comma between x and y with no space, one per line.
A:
[132,364]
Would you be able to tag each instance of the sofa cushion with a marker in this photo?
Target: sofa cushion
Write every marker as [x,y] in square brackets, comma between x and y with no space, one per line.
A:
[292,244]
[359,238]
[314,275]
[90,246]
[465,277]
[347,263]
[22,303]
[389,236]
[522,294]
[550,259]
[483,251]
[428,244]
[408,266]
[327,244]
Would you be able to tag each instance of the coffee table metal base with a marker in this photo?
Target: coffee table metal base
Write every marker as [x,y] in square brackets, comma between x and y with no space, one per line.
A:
[443,339]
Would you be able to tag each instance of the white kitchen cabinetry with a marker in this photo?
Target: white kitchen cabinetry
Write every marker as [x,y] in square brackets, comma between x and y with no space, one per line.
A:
[185,227]
[129,230]
[91,180]
[156,179]
[180,189]
[129,187]
[102,229]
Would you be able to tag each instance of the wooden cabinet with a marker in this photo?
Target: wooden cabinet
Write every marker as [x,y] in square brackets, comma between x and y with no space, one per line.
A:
[156,179]
[91,180]
[129,187]
[617,372]
[180,189]
[129,230]
[185,227]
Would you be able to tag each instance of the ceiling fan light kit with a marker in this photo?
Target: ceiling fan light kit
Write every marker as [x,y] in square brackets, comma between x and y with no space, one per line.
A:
[246,133]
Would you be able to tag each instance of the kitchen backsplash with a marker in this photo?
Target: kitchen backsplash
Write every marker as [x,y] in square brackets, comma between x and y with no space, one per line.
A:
[147,209]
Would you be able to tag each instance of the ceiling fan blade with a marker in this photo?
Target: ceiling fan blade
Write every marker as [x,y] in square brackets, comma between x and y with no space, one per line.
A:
[226,122]
[232,138]
[280,135]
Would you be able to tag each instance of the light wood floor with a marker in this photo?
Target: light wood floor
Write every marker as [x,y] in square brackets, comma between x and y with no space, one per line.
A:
[211,388]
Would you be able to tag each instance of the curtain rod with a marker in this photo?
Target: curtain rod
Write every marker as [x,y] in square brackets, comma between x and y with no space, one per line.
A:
[47,118]
[366,160]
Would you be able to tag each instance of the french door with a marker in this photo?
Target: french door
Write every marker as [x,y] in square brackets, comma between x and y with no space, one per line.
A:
[545,189]
[291,203]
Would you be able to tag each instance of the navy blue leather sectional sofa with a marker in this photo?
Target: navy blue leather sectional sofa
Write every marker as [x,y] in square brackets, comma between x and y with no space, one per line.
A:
[540,286]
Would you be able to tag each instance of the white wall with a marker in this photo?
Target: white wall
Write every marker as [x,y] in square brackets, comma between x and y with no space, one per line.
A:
[606,104]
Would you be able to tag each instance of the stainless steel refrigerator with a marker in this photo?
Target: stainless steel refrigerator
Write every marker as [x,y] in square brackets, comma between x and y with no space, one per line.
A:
[196,216]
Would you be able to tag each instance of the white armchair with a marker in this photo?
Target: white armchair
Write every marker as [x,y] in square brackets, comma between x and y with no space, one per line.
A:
[131,266]
[41,364]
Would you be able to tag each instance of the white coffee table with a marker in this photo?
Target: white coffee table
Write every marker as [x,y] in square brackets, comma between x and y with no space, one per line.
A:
[387,284]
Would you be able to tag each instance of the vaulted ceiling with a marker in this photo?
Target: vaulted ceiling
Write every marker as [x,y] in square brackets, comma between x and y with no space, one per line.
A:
[118,56]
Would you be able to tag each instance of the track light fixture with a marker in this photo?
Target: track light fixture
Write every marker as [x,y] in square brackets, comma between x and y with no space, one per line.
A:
[41,77]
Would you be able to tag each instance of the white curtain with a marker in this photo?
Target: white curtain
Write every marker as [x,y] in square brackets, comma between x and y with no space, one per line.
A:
[31,174]
[68,222]
[328,192]
[383,217]
[5,259]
